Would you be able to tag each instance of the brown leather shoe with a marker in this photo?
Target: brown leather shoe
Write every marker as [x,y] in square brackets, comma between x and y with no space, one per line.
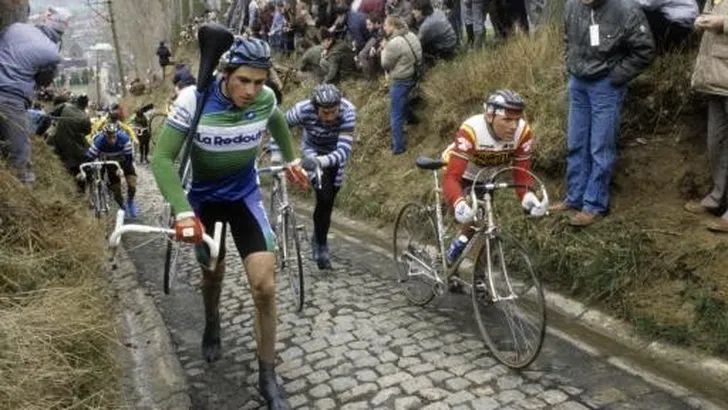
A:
[695,207]
[561,207]
[584,219]
[718,225]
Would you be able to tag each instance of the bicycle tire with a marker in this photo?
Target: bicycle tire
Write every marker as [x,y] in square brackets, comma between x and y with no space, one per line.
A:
[430,257]
[294,270]
[532,295]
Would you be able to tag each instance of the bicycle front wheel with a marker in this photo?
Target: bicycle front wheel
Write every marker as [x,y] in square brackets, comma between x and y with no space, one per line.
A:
[511,314]
[294,263]
[416,253]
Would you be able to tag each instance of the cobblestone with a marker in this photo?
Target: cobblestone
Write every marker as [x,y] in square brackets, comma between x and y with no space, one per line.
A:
[358,344]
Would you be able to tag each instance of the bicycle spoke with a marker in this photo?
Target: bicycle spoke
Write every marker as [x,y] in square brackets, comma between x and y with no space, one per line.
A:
[415,244]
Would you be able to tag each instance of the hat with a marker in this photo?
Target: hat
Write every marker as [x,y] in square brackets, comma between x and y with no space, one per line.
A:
[56,18]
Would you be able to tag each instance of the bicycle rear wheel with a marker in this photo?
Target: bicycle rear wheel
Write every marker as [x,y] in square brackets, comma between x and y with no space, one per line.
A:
[293,262]
[513,324]
[416,253]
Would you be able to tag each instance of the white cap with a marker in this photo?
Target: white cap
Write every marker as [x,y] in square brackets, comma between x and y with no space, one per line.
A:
[56,18]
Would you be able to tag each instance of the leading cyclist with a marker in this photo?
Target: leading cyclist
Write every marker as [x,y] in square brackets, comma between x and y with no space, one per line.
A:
[239,108]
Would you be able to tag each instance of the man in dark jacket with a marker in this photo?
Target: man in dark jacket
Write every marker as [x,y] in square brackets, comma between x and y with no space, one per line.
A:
[608,43]
[337,58]
[355,25]
[164,54]
[72,125]
[436,34]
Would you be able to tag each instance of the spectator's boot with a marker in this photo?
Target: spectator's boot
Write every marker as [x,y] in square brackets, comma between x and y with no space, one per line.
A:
[269,388]
[469,35]
[211,287]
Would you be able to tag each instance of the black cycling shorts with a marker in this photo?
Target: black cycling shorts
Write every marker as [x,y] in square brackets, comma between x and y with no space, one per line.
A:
[248,222]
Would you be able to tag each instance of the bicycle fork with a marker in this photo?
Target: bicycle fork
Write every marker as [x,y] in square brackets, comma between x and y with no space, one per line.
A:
[490,234]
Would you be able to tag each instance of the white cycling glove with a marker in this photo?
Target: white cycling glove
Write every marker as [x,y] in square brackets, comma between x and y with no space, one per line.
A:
[463,211]
[531,203]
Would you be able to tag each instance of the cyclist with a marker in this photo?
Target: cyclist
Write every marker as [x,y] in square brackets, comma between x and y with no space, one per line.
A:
[498,137]
[328,122]
[113,144]
[238,109]
[114,114]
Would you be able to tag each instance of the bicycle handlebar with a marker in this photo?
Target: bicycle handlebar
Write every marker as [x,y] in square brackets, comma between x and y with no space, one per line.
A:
[493,186]
[274,169]
[99,164]
[120,229]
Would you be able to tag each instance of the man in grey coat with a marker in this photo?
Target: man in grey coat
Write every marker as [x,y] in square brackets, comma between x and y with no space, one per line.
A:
[30,55]
[436,34]
[711,78]
[608,43]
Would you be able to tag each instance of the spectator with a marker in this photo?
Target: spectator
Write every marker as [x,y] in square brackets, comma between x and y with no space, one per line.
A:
[356,26]
[38,119]
[371,6]
[600,64]
[183,77]
[401,9]
[507,15]
[309,67]
[164,54]
[454,16]
[29,56]
[276,33]
[72,125]
[711,77]
[304,29]
[337,58]
[253,16]
[436,34]
[401,52]
[474,22]
[141,123]
[369,56]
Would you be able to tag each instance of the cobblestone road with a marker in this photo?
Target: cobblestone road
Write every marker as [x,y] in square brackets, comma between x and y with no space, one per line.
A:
[358,345]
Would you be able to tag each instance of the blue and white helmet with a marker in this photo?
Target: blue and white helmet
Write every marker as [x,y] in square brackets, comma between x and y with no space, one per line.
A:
[326,96]
[504,99]
[247,51]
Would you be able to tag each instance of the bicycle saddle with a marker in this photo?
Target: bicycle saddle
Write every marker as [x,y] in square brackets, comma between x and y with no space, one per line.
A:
[424,162]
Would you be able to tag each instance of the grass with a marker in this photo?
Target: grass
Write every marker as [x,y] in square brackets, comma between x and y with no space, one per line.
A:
[56,331]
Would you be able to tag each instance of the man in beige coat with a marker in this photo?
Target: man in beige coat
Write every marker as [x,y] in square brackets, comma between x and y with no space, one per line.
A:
[401,53]
[711,77]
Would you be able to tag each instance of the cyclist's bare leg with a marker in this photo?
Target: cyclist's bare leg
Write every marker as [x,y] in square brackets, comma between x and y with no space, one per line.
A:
[211,287]
[260,267]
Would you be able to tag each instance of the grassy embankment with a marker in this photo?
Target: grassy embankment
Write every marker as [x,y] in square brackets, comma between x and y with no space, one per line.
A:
[57,339]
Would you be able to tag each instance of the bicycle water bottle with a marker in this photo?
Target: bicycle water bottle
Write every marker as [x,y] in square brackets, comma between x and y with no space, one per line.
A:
[456,248]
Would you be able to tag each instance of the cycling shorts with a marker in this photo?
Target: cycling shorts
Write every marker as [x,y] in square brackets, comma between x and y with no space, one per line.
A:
[248,222]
